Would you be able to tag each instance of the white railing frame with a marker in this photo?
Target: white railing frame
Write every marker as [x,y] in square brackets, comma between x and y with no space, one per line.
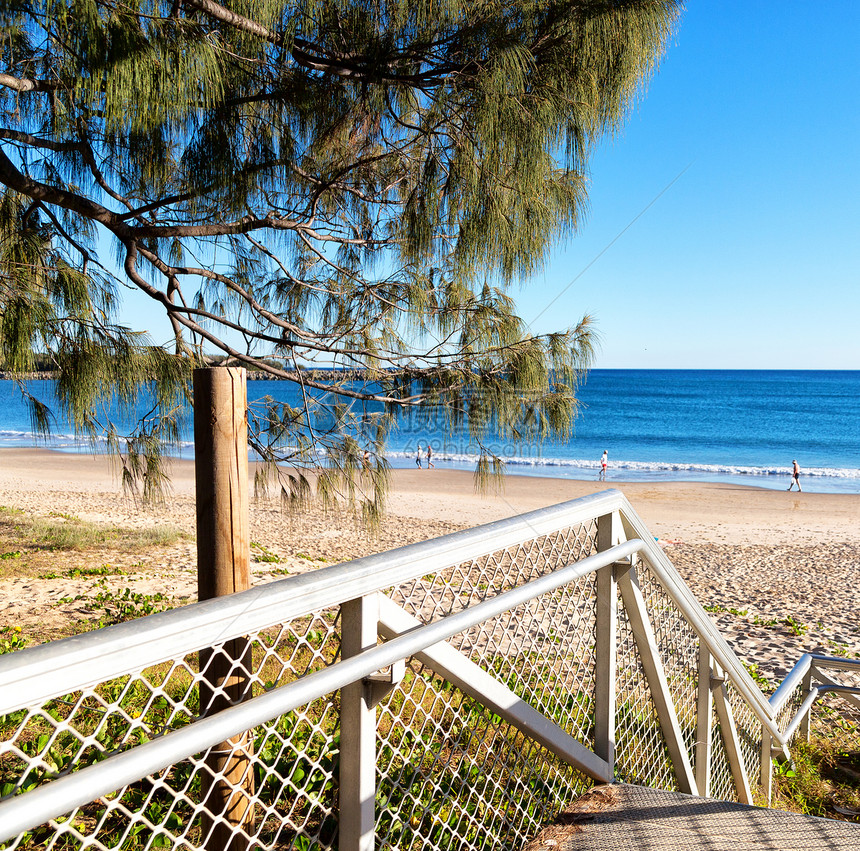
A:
[810,669]
[32,676]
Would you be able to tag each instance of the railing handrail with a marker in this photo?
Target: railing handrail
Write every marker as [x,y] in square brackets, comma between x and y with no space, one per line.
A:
[806,662]
[33,676]
[18,815]
[788,686]
[46,671]
[835,663]
[59,667]
[801,675]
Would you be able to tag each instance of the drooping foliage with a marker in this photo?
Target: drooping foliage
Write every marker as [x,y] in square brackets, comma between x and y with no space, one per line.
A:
[348,184]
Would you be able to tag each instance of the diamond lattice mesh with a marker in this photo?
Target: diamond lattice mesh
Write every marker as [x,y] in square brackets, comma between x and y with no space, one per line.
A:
[72,731]
[789,709]
[722,785]
[678,646]
[641,755]
[457,775]
[450,773]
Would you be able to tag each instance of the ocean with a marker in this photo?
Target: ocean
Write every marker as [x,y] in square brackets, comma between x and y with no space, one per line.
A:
[740,426]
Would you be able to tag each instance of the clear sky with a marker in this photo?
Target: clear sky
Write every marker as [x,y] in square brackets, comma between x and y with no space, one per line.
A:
[751,258]
[724,217]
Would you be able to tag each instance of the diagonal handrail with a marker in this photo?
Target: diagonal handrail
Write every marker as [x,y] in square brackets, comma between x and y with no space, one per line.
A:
[683,598]
[37,674]
[34,675]
[800,676]
[20,814]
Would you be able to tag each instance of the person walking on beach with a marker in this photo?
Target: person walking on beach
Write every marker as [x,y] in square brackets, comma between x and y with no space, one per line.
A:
[430,457]
[418,457]
[795,477]
[604,460]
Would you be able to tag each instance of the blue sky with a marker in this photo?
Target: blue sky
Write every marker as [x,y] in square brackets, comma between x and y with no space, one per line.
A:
[751,258]
[723,223]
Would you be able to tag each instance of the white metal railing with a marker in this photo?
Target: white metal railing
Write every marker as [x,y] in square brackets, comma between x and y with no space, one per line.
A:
[519,662]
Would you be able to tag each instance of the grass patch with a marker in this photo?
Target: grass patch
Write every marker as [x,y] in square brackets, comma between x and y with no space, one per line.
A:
[66,532]
[128,605]
[761,679]
[261,554]
[11,639]
[797,627]
[83,572]
[65,547]
[825,778]
[716,608]
[77,534]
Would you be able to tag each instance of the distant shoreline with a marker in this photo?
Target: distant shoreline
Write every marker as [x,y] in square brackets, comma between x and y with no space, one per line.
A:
[752,513]
[620,473]
[253,375]
[735,427]
[753,556]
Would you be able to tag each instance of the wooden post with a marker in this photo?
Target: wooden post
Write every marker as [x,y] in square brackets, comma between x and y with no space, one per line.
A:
[223,556]
[221,468]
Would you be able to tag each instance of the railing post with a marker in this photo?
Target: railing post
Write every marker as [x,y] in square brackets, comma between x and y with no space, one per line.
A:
[358,619]
[731,739]
[704,720]
[766,781]
[655,675]
[606,618]
[223,556]
[805,725]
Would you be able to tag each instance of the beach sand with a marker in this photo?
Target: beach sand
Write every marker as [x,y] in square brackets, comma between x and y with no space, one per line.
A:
[754,557]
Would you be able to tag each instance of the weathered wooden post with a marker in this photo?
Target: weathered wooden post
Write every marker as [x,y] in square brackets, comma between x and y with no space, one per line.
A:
[223,556]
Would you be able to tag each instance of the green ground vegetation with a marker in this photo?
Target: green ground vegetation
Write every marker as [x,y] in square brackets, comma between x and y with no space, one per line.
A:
[824,779]
[68,532]
[65,547]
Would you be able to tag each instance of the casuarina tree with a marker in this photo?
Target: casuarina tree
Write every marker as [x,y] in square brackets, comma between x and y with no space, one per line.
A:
[342,184]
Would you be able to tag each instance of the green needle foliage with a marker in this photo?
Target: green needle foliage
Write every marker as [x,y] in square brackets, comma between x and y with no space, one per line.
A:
[346,184]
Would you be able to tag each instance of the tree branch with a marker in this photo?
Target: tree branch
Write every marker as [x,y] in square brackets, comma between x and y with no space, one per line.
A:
[22,84]
[14,179]
[37,142]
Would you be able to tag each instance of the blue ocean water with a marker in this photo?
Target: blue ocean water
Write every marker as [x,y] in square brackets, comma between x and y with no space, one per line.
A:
[704,425]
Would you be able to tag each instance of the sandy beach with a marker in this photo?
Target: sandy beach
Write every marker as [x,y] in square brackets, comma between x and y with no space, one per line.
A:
[754,557]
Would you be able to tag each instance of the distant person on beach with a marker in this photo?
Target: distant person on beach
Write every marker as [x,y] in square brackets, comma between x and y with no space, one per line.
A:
[430,457]
[418,457]
[604,460]
[365,461]
[795,477]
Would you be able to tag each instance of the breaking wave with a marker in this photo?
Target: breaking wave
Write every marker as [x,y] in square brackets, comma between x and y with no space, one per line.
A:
[637,468]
